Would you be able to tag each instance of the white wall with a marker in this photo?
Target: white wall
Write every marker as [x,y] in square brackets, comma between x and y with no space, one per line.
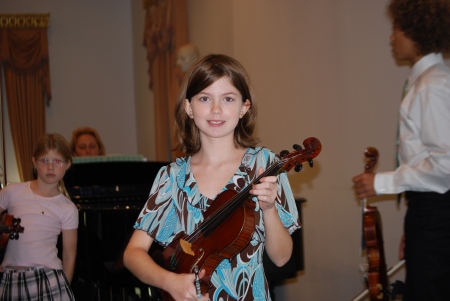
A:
[320,68]
[91,68]
[98,73]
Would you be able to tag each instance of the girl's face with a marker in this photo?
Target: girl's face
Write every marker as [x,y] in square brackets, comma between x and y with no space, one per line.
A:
[86,146]
[51,167]
[217,109]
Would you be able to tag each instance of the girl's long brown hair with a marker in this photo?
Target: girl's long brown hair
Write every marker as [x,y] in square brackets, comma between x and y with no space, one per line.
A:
[201,75]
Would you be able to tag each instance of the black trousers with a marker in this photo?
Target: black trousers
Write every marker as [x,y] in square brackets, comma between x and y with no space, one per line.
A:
[427,246]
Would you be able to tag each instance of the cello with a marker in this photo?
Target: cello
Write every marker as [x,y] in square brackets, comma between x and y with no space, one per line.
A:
[228,225]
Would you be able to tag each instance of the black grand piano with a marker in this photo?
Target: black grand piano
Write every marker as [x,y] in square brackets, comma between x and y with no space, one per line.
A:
[109,196]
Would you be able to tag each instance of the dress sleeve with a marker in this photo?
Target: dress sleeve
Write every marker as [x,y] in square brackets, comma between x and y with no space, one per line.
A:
[160,215]
[69,216]
[287,208]
[285,201]
[5,195]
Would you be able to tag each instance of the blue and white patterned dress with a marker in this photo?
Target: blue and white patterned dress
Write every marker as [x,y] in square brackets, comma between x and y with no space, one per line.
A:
[176,205]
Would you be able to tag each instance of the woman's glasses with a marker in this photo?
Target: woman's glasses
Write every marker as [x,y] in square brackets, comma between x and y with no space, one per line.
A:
[46,162]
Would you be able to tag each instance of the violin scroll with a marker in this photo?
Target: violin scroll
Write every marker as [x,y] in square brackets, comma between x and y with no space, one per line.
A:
[312,148]
[372,154]
[9,230]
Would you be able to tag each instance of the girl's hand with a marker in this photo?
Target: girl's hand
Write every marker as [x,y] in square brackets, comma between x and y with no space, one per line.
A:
[266,191]
[181,287]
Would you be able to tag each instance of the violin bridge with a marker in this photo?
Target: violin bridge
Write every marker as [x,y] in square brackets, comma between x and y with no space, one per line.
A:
[187,247]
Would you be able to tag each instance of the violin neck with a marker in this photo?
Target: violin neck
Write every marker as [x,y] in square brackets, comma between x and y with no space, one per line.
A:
[214,220]
[244,194]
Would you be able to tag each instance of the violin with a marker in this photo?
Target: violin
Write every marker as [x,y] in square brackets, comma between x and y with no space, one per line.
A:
[377,277]
[228,225]
[9,230]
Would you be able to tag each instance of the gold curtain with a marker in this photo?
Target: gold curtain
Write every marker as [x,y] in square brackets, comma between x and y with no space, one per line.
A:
[25,61]
[165,31]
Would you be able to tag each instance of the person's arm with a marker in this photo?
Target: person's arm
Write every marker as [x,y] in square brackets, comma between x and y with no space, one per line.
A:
[69,253]
[137,260]
[425,143]
[278,240]
[278,243]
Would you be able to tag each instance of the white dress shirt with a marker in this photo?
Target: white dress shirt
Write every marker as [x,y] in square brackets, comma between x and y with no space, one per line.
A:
[424,146]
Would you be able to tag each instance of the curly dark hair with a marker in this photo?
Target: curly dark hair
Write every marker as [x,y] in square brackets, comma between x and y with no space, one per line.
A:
[425,22]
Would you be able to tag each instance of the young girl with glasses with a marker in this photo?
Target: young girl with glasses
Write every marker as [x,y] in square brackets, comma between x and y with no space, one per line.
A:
[31,269]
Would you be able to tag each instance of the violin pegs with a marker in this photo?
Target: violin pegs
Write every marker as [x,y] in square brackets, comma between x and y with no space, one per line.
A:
[297,147]
[284,153]
[16,236]
[310,161]
[298,166]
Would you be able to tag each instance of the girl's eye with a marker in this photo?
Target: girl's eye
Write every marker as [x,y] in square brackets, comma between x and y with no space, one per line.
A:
[203,98]
[58,162]
[228,99]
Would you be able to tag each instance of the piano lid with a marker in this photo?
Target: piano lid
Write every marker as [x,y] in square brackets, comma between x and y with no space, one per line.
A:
[111,185]
[108,158]
[112,173]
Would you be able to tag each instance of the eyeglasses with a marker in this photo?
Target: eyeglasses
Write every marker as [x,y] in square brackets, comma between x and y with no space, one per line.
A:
[46,162]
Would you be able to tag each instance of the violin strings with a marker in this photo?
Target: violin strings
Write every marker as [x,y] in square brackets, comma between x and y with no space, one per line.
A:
[212,221]
[215,219]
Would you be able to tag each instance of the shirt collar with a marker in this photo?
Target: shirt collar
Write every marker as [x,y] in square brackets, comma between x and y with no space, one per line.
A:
[423,64]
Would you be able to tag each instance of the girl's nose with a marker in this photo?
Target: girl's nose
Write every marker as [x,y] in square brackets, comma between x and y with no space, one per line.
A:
[216,108]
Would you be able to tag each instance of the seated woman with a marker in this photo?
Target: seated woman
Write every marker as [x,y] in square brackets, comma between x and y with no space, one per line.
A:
[86,142]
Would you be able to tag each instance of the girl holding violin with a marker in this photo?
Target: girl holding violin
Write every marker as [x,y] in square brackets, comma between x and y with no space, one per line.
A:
[215,117]
[31,269]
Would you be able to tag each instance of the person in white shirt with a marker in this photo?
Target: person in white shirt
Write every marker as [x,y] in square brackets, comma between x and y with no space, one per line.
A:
[421,33]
